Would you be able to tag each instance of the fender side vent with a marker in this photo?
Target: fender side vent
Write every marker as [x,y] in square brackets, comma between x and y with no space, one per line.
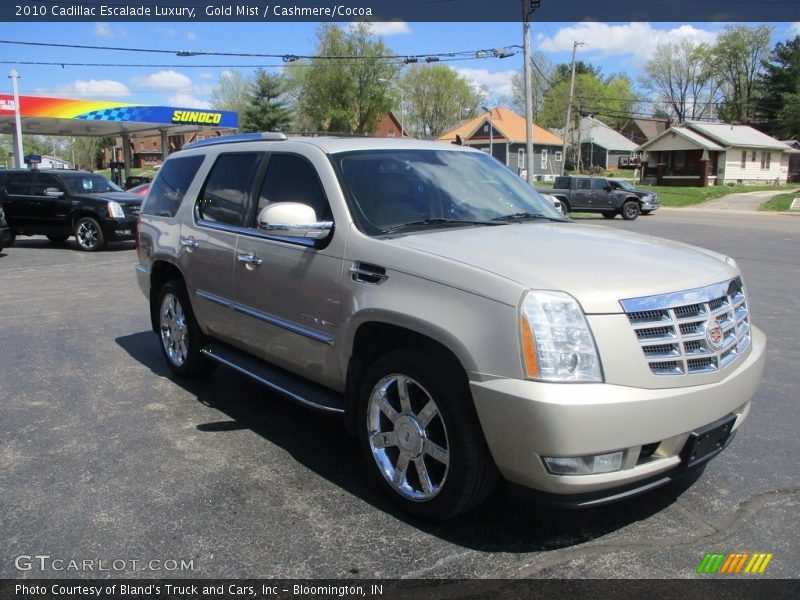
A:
[368,273]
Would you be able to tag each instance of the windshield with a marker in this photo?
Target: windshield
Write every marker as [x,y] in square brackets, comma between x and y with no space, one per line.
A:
[435,188]
[90,184]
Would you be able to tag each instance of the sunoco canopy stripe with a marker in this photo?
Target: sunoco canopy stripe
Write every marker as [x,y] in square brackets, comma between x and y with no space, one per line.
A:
[93,110]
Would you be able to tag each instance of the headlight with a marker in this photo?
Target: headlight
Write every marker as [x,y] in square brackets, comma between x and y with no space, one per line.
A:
[115,210]
[557,344]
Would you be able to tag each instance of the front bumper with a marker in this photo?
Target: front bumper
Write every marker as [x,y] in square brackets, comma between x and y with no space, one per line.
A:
[120,229]
[524,421]
[650,204]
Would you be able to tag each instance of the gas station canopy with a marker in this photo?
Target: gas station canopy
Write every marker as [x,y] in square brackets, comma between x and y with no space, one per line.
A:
[72,117]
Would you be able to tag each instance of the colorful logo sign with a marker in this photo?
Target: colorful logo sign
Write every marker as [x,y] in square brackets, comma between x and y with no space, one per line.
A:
[735,563]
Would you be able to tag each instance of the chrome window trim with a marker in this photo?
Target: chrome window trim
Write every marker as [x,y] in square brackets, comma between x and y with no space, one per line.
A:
[251,232]
[267,318]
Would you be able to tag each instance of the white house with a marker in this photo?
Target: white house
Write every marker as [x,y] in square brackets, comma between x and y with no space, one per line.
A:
[701,154]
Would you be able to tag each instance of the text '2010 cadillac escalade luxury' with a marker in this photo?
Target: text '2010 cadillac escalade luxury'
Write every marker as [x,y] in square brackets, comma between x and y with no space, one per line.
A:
[408,286]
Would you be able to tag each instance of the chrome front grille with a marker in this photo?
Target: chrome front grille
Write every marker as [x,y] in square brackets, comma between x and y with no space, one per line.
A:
[695,331]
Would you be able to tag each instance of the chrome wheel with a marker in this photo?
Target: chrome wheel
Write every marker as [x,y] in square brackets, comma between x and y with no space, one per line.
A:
[87,234]
[407,437]
[174,329]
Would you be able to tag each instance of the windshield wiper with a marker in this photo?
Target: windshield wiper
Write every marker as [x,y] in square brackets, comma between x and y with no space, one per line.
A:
[523,216]
[438,222]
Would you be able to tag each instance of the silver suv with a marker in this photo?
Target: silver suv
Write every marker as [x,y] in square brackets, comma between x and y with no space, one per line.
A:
[410,287]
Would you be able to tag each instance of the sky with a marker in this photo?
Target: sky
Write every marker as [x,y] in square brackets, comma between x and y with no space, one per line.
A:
[616,47]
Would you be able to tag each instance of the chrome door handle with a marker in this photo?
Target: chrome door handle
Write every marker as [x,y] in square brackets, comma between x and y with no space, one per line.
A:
[189,242]
[249,259]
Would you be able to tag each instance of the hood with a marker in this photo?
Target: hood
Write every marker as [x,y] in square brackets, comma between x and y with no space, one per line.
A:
[121,197]
[597,265]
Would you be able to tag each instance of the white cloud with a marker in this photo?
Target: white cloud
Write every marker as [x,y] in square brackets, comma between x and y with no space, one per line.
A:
[796,28]
[206,76]
[640,39]
[104,30]
[385,27]
[191,35]
[226,74]
[96,89]
[498,82]
[187,100]
[165,80]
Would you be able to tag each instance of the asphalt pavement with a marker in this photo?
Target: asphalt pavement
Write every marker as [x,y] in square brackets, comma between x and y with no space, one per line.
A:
[105,456]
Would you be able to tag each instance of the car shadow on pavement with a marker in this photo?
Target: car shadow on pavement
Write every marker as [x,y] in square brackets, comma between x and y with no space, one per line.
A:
[506,522]
[43,243]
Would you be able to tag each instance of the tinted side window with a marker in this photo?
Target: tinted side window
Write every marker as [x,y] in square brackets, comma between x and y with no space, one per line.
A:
[43,182]
[169,187]
[599,185]
[224,196]
[583,184]
[293,179]
[20,184]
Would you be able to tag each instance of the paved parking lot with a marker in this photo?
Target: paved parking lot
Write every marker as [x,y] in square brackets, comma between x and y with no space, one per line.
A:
[103,456]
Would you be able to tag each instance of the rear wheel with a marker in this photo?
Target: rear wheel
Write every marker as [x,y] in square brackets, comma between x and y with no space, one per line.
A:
[609,214]
[89,235]
[57,238]
[564,207]
[180,336]
[421,436]
[630,210]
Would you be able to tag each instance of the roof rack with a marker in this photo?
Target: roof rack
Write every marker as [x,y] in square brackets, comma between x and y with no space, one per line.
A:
[269,136]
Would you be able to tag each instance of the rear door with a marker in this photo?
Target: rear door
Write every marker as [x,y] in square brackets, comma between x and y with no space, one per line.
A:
[581,196]
[20,206]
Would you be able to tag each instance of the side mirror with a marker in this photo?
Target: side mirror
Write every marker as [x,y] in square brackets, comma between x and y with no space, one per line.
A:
[292,219]
[53,192]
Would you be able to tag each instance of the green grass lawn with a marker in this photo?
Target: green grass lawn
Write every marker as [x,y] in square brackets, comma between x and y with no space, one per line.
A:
[779,202]
[688,196]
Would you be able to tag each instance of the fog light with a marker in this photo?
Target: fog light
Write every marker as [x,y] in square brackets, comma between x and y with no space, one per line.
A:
[585,465]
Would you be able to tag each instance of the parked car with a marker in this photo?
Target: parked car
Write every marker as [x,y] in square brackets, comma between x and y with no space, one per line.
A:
[408,286]
[60,203]
[555,202]
[649,200]
[6,237]
[600,195]
[140,190]
[132,181]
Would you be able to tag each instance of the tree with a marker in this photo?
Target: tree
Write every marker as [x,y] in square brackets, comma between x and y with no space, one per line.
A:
[231,92]
[265,110]
[542,72]
[612,100]
[88,150]
[437,98]
[681,77]
[346,91]
[780,86]
[737,58]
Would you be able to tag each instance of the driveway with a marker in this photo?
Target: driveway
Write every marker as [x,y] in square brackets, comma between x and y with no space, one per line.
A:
[743,201]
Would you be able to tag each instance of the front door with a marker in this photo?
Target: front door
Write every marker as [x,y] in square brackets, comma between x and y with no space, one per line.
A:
[288,290]
[52,211]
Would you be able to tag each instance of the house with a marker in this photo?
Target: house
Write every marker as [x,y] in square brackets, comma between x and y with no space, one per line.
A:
[53,162]
[701,154]
[793,161]
[389,126]
[603,147]
[146,151]
[640,131]
[504,132]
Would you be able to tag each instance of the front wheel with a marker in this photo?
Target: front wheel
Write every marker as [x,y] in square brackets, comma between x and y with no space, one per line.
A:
[630,210]
[89,235]
[421,436]
[180,336]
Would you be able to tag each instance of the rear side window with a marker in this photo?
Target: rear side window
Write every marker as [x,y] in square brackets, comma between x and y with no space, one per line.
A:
[225,194]
[583,184]
[20,184]
[169,187]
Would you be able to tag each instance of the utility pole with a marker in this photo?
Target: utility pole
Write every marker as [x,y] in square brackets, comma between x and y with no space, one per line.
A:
[569,105]
[528,7]
[18,161]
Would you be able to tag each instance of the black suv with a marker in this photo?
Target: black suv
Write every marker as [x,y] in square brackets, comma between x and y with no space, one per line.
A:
[61,203]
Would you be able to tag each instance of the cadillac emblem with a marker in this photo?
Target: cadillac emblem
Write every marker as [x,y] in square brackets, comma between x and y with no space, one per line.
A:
[714,334]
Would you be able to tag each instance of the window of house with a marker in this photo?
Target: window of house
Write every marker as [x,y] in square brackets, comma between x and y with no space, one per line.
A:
[521,158]
[753,157]
[680,159]
[544,158]
[744,159]
[765,159]
[557,156]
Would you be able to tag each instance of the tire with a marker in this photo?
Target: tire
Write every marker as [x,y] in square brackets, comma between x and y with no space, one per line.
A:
[608,214]
[89,235]
[424,445]
[564,207]
[179,335]
[57,238]
[630,210]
